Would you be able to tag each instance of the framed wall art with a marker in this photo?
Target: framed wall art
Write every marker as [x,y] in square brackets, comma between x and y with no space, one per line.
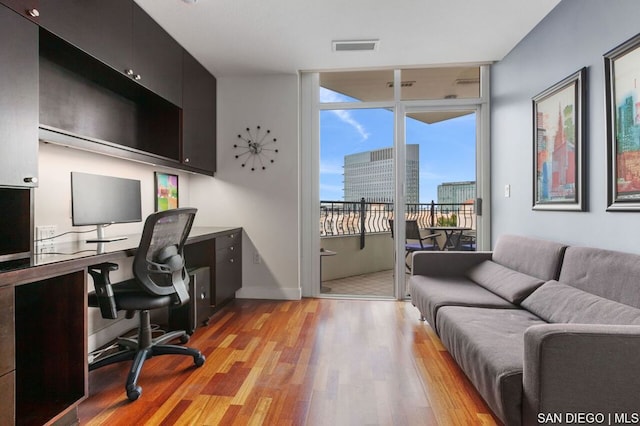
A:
[622,80]
[558,145]
[166,191]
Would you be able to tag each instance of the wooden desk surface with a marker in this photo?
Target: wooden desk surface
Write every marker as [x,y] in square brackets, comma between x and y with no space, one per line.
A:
[71,256]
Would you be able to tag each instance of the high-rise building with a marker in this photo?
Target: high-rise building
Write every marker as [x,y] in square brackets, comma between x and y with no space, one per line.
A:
[456,192]
[370,175]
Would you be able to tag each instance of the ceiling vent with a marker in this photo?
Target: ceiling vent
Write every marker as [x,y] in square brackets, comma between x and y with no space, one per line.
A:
[355,45]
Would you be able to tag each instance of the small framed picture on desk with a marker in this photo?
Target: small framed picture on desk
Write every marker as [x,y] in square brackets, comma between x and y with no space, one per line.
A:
[166,197]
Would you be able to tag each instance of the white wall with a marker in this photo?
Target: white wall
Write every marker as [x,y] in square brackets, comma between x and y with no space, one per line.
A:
[53,195]
[264,202]
[575,34]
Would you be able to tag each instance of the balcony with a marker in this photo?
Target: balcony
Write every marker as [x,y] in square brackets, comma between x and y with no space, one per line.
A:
[360,235]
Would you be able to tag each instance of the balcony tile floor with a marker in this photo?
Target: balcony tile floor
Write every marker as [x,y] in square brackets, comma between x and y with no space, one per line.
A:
[376,284]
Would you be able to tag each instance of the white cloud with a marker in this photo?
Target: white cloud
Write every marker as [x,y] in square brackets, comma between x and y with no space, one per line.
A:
[345,116]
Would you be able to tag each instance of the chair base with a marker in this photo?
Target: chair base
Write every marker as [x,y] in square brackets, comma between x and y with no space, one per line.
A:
[143,348]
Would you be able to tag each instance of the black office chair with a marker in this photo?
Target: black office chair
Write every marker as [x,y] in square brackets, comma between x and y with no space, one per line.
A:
[161,281]
[415,241]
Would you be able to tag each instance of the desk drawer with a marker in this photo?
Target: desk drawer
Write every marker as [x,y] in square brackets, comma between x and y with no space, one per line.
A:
[228,255]
[228,240]
[7,332]
[8,398]
[228,280]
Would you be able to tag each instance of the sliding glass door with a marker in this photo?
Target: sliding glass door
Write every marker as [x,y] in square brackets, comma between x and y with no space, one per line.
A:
[386,147]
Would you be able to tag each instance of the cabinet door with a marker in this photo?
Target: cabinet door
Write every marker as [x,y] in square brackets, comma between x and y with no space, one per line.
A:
[18,100]
[157,58]
[8,399]
[26,8]
[7,331]
[228,270]
[100,28]
[198,116]
[7,356]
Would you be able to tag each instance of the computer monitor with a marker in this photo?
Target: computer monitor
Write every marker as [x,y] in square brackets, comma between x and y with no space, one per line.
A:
[104,200]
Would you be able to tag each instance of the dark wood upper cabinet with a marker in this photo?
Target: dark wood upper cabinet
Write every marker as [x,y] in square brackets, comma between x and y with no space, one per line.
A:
[157,58]
[100,28]
[27,8]
[18,100]
[123,36]
[198,116]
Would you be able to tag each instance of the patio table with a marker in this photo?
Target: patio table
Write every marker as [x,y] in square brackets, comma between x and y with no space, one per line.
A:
[453,235]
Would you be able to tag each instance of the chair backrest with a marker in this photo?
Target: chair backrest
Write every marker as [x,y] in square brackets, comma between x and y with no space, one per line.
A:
[412,231]
[159,264]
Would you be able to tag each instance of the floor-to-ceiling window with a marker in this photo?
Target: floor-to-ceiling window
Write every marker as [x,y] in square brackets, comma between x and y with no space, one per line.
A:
[384,145]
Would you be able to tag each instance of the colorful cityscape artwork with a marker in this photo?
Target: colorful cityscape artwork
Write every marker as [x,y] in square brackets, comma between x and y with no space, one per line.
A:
[557,145]
[627,125]
[166,191]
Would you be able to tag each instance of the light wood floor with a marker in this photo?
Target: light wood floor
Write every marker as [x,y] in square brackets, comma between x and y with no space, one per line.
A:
[309,362]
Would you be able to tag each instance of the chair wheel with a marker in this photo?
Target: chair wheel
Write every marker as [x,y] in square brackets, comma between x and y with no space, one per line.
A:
[184,338]
[134,393]
[199,360]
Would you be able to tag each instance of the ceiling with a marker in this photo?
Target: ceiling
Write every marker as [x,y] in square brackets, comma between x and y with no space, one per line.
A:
[249,37]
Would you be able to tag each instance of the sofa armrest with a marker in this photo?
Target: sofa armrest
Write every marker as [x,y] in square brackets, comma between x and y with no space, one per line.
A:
[580,368]
[446,263]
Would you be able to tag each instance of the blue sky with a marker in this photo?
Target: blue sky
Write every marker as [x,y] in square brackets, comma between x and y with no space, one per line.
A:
[447,149]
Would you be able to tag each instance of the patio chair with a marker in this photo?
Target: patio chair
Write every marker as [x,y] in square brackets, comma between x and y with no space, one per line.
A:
[468,241]
[415,241]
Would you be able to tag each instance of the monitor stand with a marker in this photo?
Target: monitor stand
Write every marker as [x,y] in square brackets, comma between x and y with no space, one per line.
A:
[102,238]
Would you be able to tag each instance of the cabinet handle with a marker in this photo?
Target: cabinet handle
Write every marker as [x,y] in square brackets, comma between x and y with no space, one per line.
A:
[232,248]
[137,77]
[186,160]
[30,179]
[129,72]
[231,260]
[34,13]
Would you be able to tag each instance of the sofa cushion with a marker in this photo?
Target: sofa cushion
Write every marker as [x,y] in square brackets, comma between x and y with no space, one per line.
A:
[428,294]
[506,283]
[610,274]
[538,258]
[488,345]
[560,303]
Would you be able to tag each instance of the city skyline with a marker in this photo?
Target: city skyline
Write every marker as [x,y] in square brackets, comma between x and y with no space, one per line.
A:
[447,148]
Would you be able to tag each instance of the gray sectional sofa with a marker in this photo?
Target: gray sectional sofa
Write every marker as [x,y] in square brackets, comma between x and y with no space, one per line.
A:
[543,330]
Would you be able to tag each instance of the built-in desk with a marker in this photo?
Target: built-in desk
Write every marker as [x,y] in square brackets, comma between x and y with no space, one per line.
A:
[43,319]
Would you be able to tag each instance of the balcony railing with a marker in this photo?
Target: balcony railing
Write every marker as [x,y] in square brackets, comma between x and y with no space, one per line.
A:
[353,218]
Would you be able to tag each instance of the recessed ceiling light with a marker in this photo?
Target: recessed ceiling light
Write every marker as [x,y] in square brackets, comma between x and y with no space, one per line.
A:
[405,83]
[190,1]
[355,45]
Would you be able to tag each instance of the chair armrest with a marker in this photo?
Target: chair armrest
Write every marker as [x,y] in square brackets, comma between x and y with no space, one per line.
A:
[446,263]
[430,236]
[104,290]
[581,368]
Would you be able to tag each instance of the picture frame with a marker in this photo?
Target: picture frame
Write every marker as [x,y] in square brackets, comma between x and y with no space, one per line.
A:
[559,145]
[166,191]
[622,105]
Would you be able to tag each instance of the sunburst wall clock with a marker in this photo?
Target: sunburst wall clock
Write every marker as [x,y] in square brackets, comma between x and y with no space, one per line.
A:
[257,149]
